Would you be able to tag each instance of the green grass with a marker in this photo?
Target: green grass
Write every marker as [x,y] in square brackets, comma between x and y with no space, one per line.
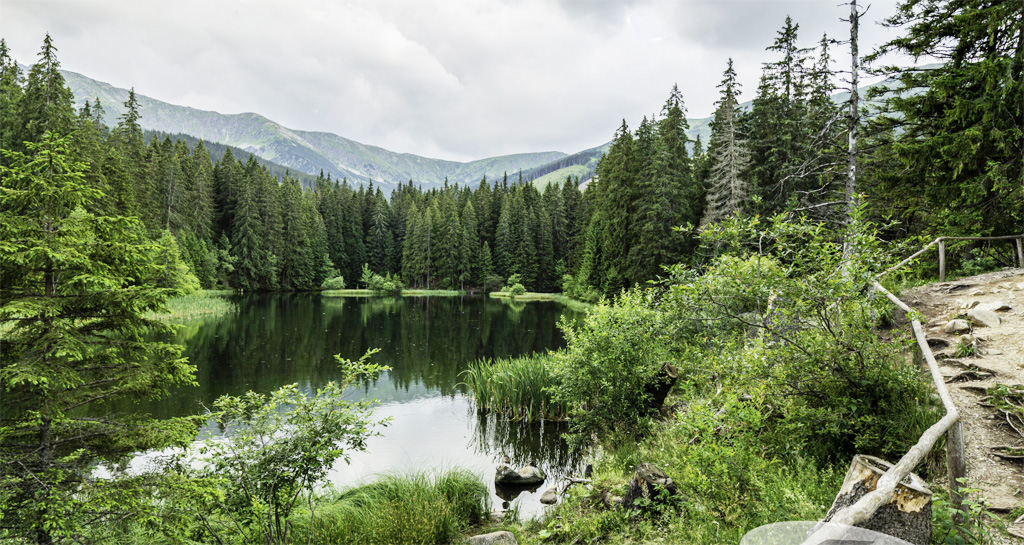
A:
[558,176]
[201,304]
[399,508]
[514,387]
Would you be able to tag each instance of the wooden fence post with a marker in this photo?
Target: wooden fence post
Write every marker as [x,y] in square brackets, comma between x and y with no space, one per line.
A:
[1020,251]
[942,261]
[956,463]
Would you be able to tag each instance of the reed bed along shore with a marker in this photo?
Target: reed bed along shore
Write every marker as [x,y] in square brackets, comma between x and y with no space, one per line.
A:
[515,387]
[201,304]
[416,507]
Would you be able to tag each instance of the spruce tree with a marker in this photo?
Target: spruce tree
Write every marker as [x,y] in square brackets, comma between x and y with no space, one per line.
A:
[728,189]
[959,127]
[74,299]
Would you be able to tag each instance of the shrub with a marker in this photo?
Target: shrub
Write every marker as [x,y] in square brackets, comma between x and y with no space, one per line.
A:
[516,289]
[600,375]
[336,283]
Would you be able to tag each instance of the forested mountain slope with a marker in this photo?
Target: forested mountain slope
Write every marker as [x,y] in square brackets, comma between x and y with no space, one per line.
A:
[302,151]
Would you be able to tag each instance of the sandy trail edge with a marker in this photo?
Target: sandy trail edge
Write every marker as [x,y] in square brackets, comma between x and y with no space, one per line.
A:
[1000,351]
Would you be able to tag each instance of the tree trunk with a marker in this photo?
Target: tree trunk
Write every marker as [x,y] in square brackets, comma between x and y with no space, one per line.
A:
[658,387]
[908,515]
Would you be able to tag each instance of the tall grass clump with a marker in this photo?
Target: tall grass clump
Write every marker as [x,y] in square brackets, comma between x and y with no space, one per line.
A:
[194,306]
[399,508]
[518,388]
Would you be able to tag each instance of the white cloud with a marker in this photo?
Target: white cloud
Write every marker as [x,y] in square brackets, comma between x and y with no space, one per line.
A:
[457,79]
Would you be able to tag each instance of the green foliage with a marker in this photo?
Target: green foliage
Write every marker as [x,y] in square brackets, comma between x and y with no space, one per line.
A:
[601,373]
[804,328]
[74,335]
[727,482]
[277,449]
[969,524]
[577,290]
[519,388]
[402,508]
[514,290]
[381,284]
[336,283]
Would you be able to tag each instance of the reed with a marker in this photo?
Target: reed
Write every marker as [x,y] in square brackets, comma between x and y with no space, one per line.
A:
[515,387]
[413,507]
[194,306]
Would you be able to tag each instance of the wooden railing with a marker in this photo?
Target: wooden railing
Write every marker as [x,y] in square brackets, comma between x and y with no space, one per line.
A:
[949,425]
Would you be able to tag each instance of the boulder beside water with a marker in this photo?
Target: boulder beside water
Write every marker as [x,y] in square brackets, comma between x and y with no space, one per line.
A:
[526,475]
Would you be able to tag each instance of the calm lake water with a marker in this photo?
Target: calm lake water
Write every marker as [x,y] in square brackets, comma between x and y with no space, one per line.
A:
[273,340]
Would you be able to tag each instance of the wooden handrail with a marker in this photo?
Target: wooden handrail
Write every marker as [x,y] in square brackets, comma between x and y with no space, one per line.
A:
[1019,239]
[950,424]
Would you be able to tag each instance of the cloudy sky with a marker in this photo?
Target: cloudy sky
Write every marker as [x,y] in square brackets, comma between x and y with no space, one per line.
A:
[452,79]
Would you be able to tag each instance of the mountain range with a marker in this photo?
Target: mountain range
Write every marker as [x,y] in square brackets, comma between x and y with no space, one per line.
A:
[283,148]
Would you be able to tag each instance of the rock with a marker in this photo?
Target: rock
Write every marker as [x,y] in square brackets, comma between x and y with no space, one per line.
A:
[497,516]
[985,318]
[996,306]
[973,304]
[957,326]
[550,496]
[493,538]
[977,292]
[937,342]
[524,476]
[648,483]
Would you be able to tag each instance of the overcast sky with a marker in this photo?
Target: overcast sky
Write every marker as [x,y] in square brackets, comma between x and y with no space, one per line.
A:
[452,79]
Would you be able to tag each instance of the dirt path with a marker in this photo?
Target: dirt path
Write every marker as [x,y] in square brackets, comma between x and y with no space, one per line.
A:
[998,358]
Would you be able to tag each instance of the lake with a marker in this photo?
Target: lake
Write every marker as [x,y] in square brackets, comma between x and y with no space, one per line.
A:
[277,339]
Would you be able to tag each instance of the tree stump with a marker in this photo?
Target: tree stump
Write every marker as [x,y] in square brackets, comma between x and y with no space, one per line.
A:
[658,387]
[908,515]
[647,483]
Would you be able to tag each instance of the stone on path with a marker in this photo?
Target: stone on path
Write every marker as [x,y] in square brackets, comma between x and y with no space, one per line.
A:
[985,318]
[956,326]
[493,538]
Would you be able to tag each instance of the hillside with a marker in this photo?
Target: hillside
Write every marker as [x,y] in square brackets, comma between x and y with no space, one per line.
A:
[302,151]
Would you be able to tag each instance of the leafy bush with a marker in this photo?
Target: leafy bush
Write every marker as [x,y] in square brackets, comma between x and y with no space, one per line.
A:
[515,289]
[277,448]
[839,388]
[391,285]
[601,373]
[336,283]
[576,290]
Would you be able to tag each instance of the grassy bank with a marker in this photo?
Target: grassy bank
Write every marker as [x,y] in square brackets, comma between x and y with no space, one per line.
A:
[400,508]
[534,296]
[201,304]
[514,387]
[405,293]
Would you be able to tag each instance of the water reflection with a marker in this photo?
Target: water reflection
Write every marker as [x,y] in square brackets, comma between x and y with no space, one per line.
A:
[273,340]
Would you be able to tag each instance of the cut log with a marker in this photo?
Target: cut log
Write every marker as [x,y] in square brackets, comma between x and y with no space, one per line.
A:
[648,482]
[907,515]
[660,384]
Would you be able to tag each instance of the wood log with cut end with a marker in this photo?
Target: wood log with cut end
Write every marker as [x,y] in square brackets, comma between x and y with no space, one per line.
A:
[907,515]
[648,482]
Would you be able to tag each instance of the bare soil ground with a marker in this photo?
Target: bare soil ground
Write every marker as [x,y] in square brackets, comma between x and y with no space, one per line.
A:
[998,358]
